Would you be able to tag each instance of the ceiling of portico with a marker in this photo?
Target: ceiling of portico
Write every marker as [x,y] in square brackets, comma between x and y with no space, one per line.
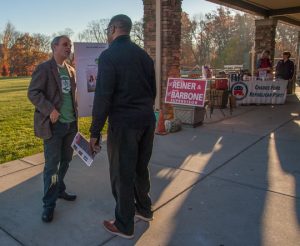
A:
[284,10]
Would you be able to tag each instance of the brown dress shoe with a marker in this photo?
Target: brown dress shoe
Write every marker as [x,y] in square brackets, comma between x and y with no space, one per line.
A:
[111,228]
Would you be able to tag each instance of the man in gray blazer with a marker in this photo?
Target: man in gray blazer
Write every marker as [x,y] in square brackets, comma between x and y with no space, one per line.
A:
[52,92]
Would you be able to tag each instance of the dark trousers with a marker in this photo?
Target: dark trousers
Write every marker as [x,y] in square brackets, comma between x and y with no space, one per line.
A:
[58,154]
[129,152]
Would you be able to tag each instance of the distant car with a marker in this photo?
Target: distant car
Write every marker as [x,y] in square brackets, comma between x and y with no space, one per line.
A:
[238,91]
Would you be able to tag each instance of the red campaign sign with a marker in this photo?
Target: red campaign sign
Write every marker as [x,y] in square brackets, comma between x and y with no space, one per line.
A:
[186,91]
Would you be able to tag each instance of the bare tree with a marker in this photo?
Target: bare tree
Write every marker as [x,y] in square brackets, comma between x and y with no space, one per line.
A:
[67,31]
[286,39]
[196,41]
[8,38]
[203,47]
[44,42]
[9,35]
[137,33]
[95,32]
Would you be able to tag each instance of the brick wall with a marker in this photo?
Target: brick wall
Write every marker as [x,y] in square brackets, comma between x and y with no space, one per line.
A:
[149,27]
[170,38]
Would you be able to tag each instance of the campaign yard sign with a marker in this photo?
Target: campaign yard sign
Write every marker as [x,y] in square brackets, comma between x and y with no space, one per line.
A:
[189,92]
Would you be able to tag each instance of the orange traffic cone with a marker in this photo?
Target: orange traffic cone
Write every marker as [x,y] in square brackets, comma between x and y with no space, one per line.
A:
[160,129]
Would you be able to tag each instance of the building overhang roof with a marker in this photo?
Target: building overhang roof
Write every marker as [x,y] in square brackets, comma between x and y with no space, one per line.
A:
[285,10]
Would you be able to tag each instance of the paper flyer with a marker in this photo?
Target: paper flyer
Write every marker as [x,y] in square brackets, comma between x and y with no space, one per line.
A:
[82,147]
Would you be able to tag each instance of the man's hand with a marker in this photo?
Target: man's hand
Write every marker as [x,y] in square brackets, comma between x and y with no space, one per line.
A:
[54,116]
[94,146]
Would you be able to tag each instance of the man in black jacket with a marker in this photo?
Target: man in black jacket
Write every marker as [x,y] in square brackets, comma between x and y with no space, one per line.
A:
[285,67]
[125,93]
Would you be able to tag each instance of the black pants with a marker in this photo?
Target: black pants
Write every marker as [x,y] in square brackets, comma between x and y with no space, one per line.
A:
[129,152]
[58,154]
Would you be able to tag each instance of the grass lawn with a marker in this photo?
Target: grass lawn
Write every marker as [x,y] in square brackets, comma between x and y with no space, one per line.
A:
[17,139]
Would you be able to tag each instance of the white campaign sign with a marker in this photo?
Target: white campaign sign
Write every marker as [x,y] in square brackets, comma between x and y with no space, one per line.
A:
[86,64]
[260,92]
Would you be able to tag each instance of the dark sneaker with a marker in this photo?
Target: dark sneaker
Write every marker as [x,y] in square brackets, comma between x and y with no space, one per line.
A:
[47,215]
[144,218]
[111,228]
[66,196]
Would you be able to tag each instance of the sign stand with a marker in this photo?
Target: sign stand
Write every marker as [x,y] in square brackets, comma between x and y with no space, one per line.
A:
[188,99]
[189,115]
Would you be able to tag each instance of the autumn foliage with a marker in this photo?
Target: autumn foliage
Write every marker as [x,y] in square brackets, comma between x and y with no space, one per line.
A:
[25,54]
[4,70]
[224,37]
[21,52]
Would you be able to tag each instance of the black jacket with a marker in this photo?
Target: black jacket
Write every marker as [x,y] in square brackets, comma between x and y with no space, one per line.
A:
[125,89]
[285,70]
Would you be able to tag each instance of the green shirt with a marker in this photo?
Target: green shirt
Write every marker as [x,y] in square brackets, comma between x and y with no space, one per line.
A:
[67,113]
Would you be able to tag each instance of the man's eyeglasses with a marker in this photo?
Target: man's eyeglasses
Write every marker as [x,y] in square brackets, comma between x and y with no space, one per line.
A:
[115,26]
[107,29]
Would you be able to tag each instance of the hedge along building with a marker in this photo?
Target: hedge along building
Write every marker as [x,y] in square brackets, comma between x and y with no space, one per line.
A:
[162,33]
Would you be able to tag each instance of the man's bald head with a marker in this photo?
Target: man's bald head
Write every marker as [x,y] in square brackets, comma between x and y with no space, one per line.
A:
[122,22]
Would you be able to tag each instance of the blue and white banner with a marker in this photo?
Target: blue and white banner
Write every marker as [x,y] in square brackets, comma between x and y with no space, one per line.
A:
[260,91]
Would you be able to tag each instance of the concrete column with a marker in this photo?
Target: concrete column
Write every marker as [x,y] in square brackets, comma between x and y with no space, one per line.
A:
[265,33]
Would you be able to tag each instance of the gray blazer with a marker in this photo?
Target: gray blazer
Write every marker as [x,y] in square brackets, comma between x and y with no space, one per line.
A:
[45,93]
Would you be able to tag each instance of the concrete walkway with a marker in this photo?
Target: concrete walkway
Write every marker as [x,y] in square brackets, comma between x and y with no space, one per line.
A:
[233,181]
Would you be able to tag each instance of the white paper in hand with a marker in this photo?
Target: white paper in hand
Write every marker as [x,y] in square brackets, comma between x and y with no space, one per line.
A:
[82,148]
